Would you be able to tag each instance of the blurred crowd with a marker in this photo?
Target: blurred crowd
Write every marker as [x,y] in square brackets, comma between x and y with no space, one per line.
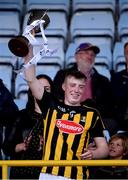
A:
[79,98]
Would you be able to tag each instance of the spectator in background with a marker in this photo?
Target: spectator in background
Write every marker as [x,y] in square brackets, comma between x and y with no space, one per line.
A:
[68,125]
[25,141]
[119,83]
[97,86]
[118,149]
[8,108]
[8,112]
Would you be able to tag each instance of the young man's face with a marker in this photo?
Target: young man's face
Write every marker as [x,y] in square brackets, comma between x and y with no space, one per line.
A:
[74,89]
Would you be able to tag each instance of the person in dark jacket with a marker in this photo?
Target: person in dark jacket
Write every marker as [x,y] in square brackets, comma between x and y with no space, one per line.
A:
[8,112]
[119,83]
[98,88]
[8,108]
[25,141]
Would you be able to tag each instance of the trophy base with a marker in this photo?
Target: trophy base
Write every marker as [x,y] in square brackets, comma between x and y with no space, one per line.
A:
[19,46]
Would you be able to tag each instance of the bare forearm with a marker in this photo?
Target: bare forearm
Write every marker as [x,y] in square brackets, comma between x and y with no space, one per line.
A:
[101,150]
[100,153]
[95,153]
[30,73]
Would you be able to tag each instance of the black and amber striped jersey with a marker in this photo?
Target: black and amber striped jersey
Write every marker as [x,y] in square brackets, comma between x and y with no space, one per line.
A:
[67,130]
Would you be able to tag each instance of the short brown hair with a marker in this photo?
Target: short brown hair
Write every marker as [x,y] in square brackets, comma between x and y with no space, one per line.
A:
[124,138]
[76,74]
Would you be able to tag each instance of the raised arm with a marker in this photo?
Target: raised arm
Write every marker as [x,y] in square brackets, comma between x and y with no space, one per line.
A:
[30,76]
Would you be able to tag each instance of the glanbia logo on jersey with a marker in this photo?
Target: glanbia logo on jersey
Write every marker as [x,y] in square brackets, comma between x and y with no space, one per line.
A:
[68,127]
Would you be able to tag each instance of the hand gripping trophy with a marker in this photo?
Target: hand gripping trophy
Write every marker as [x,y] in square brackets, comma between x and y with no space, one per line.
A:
[19,45]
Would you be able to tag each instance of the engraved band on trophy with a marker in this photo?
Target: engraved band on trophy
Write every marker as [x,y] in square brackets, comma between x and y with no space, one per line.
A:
[37,22]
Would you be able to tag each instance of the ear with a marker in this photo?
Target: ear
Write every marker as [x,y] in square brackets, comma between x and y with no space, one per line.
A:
[63,86]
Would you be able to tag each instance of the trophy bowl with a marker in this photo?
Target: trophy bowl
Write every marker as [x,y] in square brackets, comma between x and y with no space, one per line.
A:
[19,45]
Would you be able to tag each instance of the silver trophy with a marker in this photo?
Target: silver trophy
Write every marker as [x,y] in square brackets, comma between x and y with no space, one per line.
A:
[37,22]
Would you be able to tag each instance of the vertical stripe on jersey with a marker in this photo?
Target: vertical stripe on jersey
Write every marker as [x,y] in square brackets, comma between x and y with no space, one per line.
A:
[83,136]
[59,145]
[44,133]
[49,136]
[45,122]
[63,141]
[70,141]
[88,122]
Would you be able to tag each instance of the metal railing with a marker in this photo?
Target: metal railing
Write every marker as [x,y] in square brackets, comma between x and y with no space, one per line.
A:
[8,163]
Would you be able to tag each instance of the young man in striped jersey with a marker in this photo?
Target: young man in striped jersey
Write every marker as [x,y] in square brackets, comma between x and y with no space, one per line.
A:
[68,126]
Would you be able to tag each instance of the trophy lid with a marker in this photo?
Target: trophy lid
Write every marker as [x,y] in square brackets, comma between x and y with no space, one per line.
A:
[38,14]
